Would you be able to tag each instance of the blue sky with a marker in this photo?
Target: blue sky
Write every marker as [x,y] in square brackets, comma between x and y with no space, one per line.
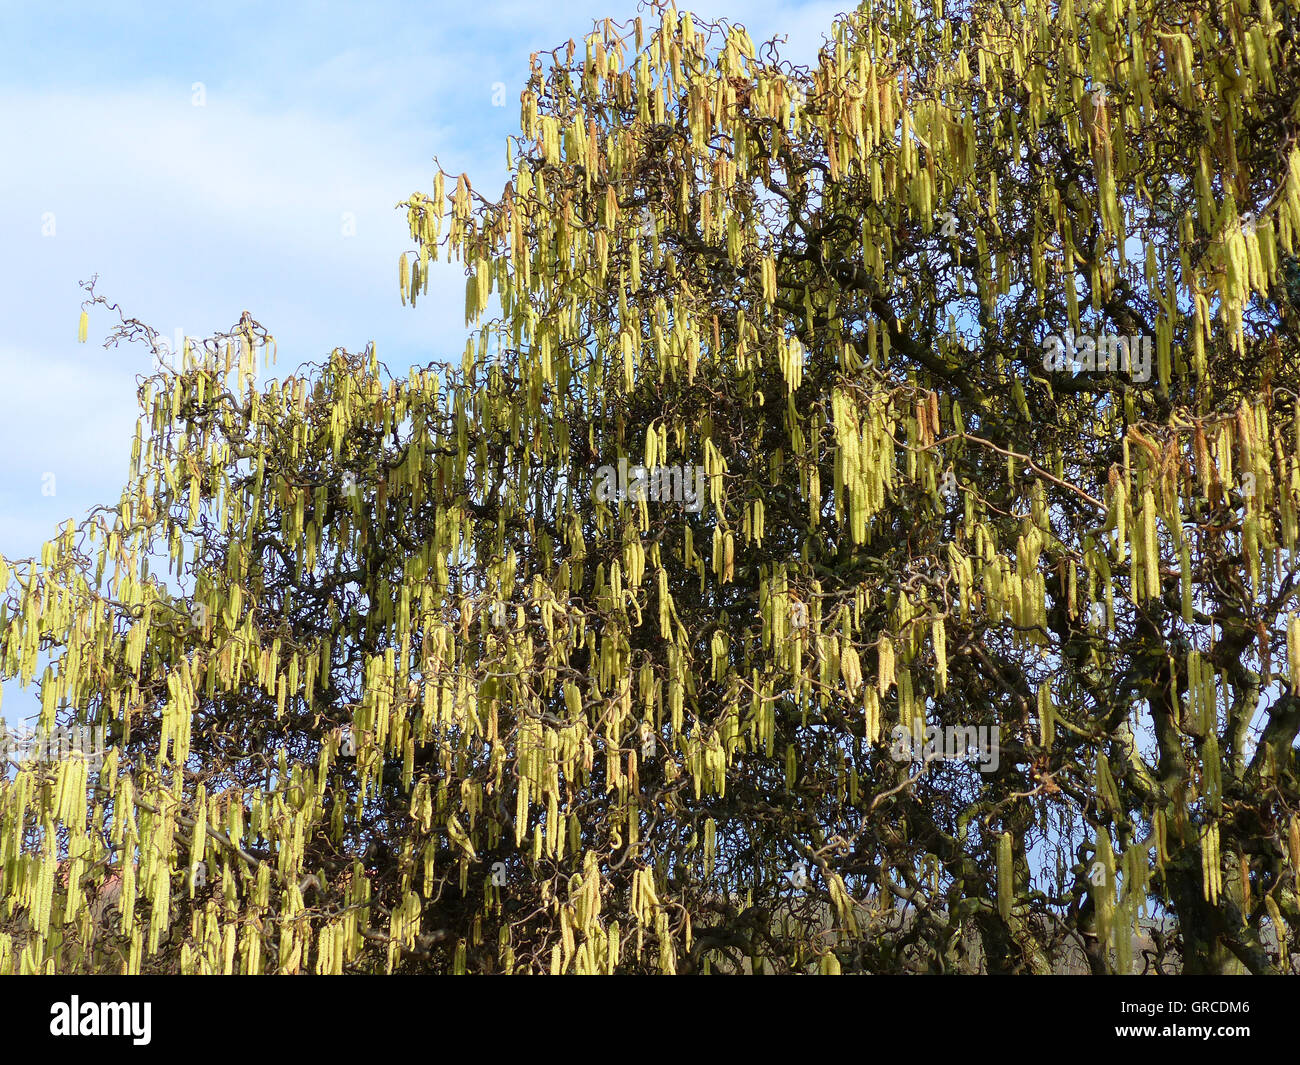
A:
[190,214]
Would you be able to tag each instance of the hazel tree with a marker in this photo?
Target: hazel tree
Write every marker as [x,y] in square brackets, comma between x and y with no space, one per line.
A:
[982,335]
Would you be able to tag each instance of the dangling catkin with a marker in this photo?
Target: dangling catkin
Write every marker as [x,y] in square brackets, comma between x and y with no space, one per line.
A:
[1004,875]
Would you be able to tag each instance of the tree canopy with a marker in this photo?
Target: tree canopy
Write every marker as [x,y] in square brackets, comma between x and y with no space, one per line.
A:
[981,335]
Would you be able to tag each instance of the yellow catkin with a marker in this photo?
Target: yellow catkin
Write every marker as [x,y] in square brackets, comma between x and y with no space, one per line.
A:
[1004,875]
[1046,715]
[1210,872]
[1150,551]
[885,673]
[1293,649]
[940,653]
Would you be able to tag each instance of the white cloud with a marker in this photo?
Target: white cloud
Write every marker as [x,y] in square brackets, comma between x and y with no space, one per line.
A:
[190,215]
